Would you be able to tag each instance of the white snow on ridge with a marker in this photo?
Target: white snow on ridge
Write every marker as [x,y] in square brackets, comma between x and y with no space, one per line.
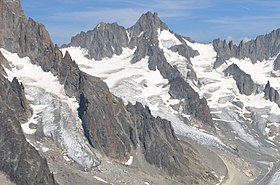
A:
[52,109]
[167,40]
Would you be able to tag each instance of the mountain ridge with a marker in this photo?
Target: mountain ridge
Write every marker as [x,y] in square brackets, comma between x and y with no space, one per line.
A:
[144,37]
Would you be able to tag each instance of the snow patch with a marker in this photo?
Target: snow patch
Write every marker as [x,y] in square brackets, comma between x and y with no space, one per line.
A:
[100,179]
[130,160]
[45,149]
[167,39]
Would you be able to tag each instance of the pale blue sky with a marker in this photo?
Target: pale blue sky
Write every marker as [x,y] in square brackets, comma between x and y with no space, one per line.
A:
[202,20]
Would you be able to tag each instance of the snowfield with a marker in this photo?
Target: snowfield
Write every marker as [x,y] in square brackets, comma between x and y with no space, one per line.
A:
[221,91]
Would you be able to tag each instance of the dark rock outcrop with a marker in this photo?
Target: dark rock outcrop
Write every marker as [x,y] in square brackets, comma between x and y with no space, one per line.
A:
[19,160]
[22,36]
[276,64]
[104,41]
[146,28]
[158,140]
[262,48]
[192,104]
[219,61]
[271,94]
[184,50]
[158,61]
[244,82]
[3,63]
[224,51]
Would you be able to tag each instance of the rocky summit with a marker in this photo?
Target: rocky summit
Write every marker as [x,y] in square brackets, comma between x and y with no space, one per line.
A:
[137,105]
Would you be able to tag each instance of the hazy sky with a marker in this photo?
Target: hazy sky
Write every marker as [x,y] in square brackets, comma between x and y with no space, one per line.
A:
[202,20]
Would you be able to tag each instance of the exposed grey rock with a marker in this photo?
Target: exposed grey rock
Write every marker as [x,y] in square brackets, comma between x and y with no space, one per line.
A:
[191,73]
[22,36]
[192,104]
[19,160]
[3,62]
[158,61]
[146,28]
[244,82]
[224,50]
[184,50]
[158,140]
[144,35]
[104,41]
[271,94]
[239,104]
[219,61]
[262,48]
[276,64]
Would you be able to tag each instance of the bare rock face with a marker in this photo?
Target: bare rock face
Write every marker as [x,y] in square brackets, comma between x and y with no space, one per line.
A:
[22,36]
[158,140]
[219,61]
[244,82]
[271,94]
[276,64]
[116,130]
[146,28]
[192,104]
[105,119]
[19,160]
[158,61]
[3,62]
[262,48]
[184,50]
[104,41]
[224,51]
